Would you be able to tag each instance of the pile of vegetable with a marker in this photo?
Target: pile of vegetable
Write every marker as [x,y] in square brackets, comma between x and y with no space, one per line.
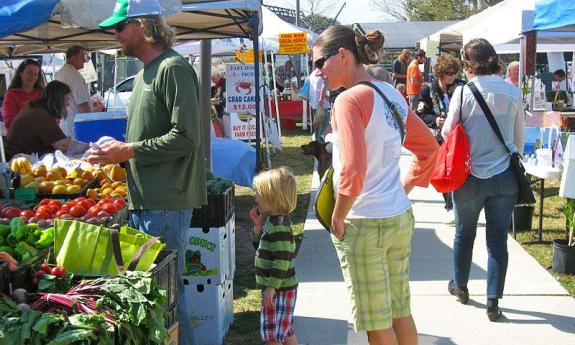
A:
[24,241]
[131,305]
[218,185]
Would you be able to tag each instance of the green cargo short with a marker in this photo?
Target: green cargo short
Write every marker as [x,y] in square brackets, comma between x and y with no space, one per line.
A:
[374,258]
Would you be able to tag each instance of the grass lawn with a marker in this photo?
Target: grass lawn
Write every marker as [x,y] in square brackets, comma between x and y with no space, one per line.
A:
[245,329]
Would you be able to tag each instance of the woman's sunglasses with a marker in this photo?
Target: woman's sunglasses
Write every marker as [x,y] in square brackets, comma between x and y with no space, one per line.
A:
[122,25]
[321,61]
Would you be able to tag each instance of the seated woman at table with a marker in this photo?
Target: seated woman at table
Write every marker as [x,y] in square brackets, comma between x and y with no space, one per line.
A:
[26,86]
[36,129]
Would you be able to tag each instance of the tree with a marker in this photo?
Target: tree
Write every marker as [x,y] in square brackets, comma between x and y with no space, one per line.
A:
[432,10]
[317,22]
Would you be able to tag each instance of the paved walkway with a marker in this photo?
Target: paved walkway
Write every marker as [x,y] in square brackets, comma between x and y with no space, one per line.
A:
[537,310]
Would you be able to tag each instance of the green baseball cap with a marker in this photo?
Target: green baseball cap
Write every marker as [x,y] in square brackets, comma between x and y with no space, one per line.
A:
[125,9]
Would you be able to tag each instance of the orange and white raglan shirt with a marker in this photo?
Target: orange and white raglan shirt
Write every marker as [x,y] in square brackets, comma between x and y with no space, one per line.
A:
[367,149]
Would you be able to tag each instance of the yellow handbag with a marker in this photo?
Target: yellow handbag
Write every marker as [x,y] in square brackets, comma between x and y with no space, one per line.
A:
[325,201]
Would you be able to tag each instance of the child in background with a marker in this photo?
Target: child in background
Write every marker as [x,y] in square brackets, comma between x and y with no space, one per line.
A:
[272,236]
[401,88]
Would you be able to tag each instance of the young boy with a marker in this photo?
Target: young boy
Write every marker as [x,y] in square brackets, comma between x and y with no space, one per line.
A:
[272,236]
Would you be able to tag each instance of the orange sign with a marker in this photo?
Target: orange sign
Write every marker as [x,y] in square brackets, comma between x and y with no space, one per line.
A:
[247,56]
[293,43]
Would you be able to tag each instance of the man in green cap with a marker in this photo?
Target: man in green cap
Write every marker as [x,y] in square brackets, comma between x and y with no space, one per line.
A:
[163,148]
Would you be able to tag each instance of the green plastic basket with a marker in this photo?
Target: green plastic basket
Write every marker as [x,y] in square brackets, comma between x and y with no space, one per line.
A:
[26,194]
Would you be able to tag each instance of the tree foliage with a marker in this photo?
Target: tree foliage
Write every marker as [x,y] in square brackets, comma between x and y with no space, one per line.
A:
[432,10]
[317,22]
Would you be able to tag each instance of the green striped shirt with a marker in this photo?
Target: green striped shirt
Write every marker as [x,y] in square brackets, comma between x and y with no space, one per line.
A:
[275,255]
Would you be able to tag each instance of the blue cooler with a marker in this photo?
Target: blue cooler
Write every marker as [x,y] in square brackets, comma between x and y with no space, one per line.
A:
[90,127]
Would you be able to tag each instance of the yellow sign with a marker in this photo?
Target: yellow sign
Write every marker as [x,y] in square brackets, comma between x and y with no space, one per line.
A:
[247,56]
[293,43]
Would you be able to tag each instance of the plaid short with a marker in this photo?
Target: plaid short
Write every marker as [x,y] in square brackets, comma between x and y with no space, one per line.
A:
[276,324]
[374,258]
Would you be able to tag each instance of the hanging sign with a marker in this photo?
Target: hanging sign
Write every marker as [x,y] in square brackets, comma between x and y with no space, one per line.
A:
[247,56]
[293,43]
[241,89]
[243,126]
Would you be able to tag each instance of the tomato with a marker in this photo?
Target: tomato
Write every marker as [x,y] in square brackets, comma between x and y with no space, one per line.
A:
[60,213]
[80,199]
[86,203]
[46,209]
[45,201]
[27,214]
[55,202]
[120,203]
[105,201]
[94,210]
[77,211]
[54,208]
[11,212]
[42,215]
[109,207]
[65,208]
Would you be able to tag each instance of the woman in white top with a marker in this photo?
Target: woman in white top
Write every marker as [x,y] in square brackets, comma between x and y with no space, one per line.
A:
[492,185]
[372,222]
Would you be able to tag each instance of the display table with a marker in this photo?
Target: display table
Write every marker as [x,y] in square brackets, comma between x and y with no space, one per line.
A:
[234,159]
[542,174]
[290,112]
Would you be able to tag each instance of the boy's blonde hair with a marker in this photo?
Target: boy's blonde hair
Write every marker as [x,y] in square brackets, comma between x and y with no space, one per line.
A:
[277,188]
[400,87]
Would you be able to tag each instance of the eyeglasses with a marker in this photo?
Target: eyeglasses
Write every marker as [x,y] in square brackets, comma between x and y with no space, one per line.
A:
[321,61]
[122,25]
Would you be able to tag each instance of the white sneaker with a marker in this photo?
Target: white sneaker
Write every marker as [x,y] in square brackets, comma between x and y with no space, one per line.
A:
[449,218]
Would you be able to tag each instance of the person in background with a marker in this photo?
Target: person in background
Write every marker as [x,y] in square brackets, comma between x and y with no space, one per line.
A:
[400,67]
[378,72]
[319,103]
[36,130]
[558,80]
[434,103]
[492,184]
[81,102]
[372,242]
[274,242]
[401,89]
[26,86]
[513,73]
[164,148]
[415,79]
[284,75]
[218,94]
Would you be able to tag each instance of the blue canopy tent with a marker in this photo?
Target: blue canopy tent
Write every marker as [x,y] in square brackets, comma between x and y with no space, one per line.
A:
[554,15]
[46,26]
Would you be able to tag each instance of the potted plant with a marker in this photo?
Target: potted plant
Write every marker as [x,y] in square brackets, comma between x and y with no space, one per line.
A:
[564,249]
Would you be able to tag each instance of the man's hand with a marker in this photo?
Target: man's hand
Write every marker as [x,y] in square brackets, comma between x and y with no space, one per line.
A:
[338,227]
[111,152]
[258,220]
[439,121]
[268,297]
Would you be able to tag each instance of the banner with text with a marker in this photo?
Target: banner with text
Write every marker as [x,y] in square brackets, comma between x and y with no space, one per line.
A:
[241,89]
[293,43]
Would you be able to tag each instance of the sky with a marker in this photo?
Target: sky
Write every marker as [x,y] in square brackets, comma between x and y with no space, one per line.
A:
[355,11]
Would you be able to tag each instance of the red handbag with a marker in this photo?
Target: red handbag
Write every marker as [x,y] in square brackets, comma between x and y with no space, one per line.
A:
[453,163]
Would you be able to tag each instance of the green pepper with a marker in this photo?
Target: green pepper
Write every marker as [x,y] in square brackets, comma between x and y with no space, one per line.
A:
[26,257]
[3,241]
[7,249]
[32,227]
[4,230]
[11,240]
[18,228]
[27,248]
[46,239]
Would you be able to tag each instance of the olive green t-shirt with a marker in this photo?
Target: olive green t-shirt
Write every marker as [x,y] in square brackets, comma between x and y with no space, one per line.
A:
[165,126]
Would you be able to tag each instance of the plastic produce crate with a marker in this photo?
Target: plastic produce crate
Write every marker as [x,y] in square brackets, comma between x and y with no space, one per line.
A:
[21,277]
[4,277]
[166,276]
[216,213]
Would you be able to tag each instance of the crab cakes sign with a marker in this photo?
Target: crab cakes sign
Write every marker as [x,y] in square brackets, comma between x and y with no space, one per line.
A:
[241,89]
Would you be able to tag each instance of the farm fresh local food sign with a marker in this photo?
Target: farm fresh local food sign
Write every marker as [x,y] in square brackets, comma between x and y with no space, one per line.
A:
[293,43]
[240,88]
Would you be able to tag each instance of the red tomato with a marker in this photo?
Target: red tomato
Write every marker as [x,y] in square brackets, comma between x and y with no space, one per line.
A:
[94,210]
[105,201]
[45,201]
[45,208]
[60,213]
[80,198]
[55,202]
[42,215]
[54,208]
[120,203]
[11,212]
[109,207]
[77,211]
[27,214]
[69,203]
[85,203]
[65,208]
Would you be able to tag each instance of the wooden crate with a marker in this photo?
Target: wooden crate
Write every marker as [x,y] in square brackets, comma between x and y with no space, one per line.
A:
[173,331]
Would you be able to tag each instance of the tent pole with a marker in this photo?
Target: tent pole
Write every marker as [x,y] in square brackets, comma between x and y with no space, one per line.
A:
[115,80]
[254,22]
[521,64]
[276,96]
[268,89]
[205,99]
[304,102]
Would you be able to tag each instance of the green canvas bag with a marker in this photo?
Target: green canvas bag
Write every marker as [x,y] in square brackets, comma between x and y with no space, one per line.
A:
[93,250]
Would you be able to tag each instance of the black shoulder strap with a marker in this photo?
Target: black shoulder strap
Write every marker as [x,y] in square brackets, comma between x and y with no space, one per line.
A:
[391,106]
[488,115]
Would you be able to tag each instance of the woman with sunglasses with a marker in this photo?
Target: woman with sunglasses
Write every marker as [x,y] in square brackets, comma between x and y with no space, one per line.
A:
[434,103]
[372,222]
[26,86]
[492,185]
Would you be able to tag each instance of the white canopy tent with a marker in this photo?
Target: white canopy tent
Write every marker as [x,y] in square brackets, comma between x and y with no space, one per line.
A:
[502,25]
